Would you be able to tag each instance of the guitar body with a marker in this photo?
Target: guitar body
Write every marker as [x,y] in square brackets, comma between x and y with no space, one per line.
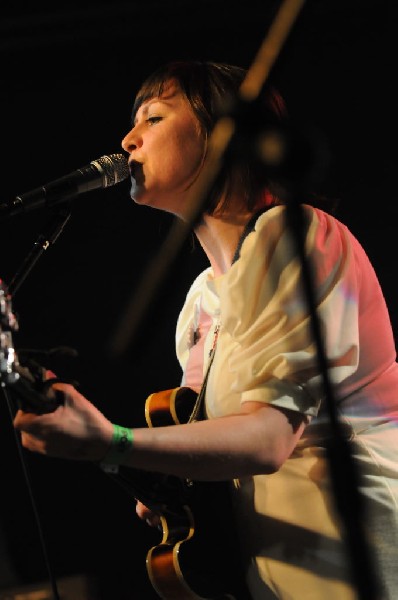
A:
[198,556]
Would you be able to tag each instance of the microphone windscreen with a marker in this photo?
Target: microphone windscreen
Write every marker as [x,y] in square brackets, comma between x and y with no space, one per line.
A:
[113,168]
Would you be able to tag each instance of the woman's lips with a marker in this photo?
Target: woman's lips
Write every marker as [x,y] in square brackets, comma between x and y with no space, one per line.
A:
[136,171]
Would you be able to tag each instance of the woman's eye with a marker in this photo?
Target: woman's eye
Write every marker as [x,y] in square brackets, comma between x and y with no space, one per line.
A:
[154,119]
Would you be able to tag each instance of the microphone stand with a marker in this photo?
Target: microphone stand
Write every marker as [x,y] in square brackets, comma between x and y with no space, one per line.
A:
[45,239]
[344,475]
[343,472]
[43,242]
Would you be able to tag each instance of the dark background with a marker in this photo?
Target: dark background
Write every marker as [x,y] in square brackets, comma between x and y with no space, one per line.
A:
[69,74]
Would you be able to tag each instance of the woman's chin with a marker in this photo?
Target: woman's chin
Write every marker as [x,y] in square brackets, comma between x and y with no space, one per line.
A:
[159,202]
[138,195]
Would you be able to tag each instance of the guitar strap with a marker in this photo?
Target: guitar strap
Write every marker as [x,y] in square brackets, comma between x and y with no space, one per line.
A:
[198,409]
[197,412]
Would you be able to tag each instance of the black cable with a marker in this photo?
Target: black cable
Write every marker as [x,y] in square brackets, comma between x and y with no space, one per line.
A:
[32,499]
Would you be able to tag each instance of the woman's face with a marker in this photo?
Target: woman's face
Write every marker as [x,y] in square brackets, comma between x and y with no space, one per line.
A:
[166,148]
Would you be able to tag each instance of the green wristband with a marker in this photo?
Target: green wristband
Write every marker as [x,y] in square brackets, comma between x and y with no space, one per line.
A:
[122,442]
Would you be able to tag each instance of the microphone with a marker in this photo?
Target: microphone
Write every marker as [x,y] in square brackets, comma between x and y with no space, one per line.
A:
[100,173]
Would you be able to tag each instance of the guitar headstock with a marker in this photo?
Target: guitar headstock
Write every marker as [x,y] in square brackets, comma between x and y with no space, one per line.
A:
[8,324]
[28,385]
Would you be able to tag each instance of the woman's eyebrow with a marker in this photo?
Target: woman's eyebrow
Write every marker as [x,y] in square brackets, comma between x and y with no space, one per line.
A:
[144,109]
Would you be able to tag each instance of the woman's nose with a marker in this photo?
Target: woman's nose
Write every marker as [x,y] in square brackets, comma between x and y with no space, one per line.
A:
[131,141]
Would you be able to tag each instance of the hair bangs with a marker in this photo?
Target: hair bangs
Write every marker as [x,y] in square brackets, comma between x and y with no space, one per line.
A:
[152,88]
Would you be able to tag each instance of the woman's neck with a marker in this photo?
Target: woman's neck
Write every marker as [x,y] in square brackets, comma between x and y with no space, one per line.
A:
[219,236]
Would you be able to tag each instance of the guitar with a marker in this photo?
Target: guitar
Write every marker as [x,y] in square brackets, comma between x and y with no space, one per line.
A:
[197,557]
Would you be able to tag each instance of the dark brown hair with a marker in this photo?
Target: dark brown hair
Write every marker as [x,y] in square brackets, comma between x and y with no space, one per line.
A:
[211,88]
